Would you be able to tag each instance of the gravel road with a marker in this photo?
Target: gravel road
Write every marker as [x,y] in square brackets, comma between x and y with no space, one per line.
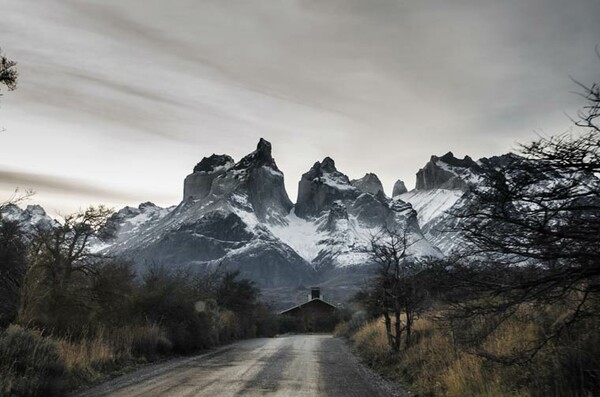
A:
[297,365]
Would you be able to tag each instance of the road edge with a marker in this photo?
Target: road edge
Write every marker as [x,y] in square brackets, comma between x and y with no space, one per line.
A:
[389,386]
[145,373]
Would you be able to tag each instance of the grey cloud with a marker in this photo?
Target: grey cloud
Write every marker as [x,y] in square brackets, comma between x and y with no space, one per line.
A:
[378,85]
[65,186]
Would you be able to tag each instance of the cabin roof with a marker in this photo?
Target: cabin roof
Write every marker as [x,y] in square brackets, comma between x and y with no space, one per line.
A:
[312,301]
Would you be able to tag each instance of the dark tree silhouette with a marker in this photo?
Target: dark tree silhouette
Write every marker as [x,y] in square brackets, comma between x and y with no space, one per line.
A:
[59,263]
[12,269]
[13,257]
[8,72]
[396,292]
[531,234]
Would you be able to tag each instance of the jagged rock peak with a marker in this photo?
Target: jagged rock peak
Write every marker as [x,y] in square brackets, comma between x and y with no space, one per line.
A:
[253,184]
[399,188]
[213,163]
[324,172]
[327,165]
[320,187]
[147,204]
[30,218]
[447,172]
[260,157]
[197,185]
[369,183]
[502,160]
[450,159]
[263,151]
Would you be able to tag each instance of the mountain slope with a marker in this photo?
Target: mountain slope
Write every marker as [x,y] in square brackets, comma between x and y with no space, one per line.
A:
[222,222]
[348,214]
[238,216]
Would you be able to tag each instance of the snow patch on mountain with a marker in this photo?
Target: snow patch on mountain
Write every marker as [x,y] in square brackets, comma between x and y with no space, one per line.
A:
[243,209]
[431,204]
[302,235]
[334,181]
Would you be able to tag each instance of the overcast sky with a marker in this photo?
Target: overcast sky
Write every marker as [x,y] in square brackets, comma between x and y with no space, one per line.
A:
[118,100]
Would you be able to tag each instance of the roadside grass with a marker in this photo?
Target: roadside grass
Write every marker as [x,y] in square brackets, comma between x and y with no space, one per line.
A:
[437,365]
[30,364]
[33,364]
[37,363]
[93,358]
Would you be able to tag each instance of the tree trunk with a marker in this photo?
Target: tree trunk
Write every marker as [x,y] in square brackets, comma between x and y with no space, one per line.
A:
[398,336]
[388,329]
[409,322]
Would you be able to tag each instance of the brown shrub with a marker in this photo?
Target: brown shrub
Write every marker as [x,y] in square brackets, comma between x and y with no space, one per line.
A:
[30,364]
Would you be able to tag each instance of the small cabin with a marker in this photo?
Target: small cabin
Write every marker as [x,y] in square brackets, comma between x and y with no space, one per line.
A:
[314,315]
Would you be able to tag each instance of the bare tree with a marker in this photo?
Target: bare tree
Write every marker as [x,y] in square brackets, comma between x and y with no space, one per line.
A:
[395,292]
[12,259]
[531,233]
[12,268]
[58,262]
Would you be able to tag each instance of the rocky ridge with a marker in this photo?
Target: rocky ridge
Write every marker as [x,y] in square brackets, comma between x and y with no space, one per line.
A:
[238,216]
[30,218]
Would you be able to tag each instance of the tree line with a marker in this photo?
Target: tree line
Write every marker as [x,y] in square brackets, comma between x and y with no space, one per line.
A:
[52,279]
[57,291]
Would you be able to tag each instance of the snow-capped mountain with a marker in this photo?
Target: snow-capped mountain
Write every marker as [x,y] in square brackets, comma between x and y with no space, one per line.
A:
[239,216]
[348,214]
[440,186]
[369,183]
[31,218]
[223,221]
[443,186]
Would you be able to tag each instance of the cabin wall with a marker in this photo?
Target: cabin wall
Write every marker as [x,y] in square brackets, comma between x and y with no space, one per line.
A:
[312,318]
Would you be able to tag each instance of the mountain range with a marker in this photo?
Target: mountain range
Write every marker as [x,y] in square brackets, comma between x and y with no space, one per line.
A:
[238,216]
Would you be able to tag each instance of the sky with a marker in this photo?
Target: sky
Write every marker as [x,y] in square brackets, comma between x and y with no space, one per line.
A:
[117,100]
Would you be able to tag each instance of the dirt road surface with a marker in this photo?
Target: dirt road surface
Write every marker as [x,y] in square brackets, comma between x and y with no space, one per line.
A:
[288,366]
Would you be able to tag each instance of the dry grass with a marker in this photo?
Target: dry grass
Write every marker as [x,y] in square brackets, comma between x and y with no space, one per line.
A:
[33,364]
[29,364]
[84,353]
[371,343]
[91,359]
[435,365]
[428,357]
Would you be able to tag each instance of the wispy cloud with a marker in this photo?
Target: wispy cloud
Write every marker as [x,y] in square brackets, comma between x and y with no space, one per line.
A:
[65,186]
[148,88]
